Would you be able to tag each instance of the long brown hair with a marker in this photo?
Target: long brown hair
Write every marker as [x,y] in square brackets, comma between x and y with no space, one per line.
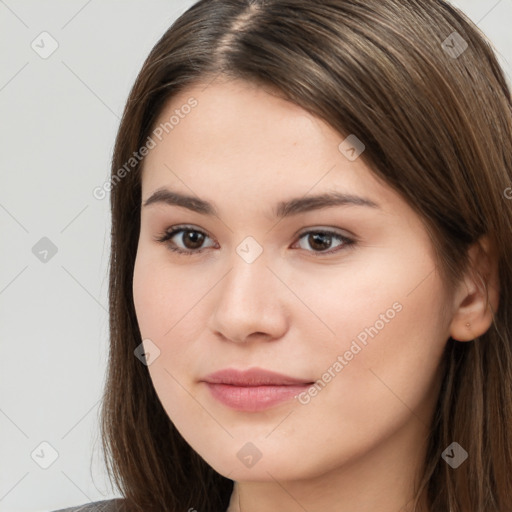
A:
[420,85]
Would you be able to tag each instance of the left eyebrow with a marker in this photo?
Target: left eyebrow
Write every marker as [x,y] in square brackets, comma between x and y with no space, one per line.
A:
[283,209]
[306,204]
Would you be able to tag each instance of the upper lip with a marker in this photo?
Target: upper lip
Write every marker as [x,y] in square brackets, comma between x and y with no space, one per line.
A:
[252,377]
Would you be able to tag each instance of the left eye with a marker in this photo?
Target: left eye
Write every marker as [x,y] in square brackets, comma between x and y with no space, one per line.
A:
[322,240]
[319,240]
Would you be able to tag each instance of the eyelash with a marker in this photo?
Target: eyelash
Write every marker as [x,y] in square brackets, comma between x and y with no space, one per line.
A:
[168,234]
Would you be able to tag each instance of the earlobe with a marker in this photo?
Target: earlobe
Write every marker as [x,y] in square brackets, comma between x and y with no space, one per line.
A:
[478,295]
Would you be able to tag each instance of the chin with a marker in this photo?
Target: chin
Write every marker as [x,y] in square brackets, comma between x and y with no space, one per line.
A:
[260,462]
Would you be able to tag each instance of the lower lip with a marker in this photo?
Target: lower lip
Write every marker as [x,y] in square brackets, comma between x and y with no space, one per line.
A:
[254,398]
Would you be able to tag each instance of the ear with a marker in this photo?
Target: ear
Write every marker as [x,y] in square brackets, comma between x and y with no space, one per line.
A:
[477,297]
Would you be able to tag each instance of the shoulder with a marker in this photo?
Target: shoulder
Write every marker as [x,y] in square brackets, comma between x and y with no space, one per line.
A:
[113,505]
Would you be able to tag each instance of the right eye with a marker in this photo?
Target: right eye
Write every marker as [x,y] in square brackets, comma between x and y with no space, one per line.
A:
[191,239]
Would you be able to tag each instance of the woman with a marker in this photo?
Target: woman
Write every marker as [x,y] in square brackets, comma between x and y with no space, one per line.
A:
[310,295]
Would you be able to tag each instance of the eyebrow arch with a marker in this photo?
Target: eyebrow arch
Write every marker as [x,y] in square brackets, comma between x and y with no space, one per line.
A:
[283,209]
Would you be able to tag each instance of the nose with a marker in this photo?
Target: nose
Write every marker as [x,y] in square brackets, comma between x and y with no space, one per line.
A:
[249,303]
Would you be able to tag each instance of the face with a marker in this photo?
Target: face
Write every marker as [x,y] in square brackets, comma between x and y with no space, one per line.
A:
[342,299]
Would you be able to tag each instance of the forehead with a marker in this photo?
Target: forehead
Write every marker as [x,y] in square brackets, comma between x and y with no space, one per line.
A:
[247,141]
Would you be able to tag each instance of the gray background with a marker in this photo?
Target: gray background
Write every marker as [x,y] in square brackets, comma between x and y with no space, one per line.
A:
[59,119]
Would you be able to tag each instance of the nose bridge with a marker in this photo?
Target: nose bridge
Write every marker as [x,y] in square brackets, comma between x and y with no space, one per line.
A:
[246,301]
[248,278]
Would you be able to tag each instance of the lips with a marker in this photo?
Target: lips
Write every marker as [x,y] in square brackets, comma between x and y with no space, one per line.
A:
[253,377]
[253,390]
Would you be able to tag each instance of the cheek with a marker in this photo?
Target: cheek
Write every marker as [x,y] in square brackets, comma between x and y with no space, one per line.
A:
[147,298]
[163,296]
[390,331]
[170,305]
[366,299]
[391,360]
[163,305]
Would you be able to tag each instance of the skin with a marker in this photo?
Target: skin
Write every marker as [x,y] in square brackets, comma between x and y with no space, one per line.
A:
[360,442]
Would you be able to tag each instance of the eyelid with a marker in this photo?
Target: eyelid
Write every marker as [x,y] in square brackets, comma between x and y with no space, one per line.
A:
[326,229]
